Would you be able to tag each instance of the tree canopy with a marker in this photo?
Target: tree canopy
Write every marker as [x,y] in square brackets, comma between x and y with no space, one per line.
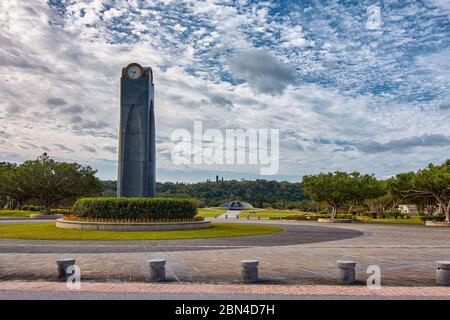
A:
[426,186]
[47,181]
[341,188]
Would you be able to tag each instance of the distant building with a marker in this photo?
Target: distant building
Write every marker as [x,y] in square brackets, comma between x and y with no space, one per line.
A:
[408,208]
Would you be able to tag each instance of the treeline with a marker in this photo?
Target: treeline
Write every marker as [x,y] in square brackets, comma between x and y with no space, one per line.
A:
[260,193]
[50,184]
[428,189]
[332,192]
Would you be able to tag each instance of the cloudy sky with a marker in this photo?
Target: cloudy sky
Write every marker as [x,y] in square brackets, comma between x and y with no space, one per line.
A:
[345,96]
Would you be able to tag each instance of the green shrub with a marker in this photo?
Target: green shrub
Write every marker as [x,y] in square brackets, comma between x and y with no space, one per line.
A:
[314,217]
[338,216]
[33,208]
[296,217]
[135,208]
[393,214]
[361,212]
[372,214]
[438,217]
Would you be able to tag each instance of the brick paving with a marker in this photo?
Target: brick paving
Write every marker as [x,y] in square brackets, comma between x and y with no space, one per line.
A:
[405,254]
[288,290]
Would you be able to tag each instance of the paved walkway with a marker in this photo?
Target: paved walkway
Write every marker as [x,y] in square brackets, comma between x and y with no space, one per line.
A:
[210,291]
[405,254]
[230,214]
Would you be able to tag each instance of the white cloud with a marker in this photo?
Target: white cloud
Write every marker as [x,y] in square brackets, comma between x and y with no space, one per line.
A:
[60,89]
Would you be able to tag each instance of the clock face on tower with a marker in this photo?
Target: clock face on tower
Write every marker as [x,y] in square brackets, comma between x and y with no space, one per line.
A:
[134,71]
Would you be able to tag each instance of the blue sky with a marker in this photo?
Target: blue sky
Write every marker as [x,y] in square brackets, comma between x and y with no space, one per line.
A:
[344,96]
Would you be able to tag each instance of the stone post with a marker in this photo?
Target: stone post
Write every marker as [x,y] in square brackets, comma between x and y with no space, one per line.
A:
[346,271]
[157,270]
[62,267]
[249,272]
[443,273]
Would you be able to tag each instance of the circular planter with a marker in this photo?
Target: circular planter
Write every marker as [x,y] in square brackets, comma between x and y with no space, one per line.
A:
[437,224]
[46,216]
[322,220]
[113,226]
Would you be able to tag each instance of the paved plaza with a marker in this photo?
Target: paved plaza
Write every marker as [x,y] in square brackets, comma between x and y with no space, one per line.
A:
[406,255]
[152,291]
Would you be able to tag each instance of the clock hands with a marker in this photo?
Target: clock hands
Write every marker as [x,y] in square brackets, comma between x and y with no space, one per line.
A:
[134,71]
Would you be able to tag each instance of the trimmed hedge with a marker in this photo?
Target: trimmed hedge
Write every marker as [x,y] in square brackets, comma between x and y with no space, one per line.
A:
[135,208]
[435,218]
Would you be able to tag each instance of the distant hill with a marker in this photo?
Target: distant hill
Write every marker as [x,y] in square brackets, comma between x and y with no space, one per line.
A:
[259,193]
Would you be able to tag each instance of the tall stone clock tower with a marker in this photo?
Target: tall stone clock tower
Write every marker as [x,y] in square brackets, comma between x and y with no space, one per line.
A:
[137,146]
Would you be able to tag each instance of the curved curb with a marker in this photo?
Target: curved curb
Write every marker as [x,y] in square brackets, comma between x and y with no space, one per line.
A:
[111,226]
[437,224]
[321,220]
[46,216]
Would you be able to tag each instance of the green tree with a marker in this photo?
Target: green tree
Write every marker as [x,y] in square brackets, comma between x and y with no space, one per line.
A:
[381,204]
[363,187]
[9,196]
[340,188]
[431,183]
[48,182]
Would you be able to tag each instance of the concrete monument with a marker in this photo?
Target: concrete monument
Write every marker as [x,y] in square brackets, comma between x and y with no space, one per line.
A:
[137,146]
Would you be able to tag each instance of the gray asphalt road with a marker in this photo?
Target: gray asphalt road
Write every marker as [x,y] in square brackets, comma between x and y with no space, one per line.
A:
[42,295]
[293,234]
[21,221]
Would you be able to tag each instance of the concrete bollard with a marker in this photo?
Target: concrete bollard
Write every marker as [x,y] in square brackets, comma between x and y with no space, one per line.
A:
[346,271]
[62,267]
[249,272]
[157,270]
[443,273]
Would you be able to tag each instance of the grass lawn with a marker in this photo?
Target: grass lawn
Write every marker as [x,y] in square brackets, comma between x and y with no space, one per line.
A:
[266,214]
[48,231]
[211,212]
[15,213]
[412,220]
